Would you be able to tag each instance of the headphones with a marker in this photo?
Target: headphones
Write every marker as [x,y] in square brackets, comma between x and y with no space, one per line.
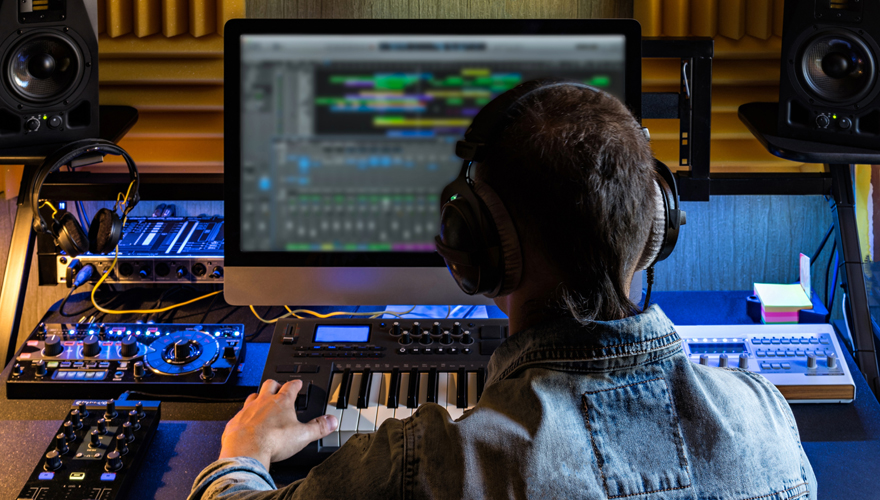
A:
[105,230]
[478,240]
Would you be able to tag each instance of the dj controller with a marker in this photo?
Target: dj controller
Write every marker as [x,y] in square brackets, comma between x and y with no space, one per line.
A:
[103,360]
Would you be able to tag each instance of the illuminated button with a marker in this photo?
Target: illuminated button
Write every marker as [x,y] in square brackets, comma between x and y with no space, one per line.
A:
[77,476]
[65,364]
[780,353]
[108,476]
[814,341]
[805,341]
[756,341]
[789,353]
[799,352]
[785,341]
[52,364]
[402,350]
[45,476]
[774,340]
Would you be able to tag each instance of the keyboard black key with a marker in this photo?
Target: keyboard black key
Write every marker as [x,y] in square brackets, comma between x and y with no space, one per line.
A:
[461,389]
[481,381]
[344,389]
[433,383]
[412,393]
[364,390]
[393,389]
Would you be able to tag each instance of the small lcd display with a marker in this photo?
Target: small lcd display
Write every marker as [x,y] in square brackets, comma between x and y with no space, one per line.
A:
[342,333]
[717,348]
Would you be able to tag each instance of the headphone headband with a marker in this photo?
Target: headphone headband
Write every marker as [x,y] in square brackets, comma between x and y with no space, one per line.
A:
[70,152]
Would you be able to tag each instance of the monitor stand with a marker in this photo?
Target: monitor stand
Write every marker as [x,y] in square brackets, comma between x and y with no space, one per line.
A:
[760,118]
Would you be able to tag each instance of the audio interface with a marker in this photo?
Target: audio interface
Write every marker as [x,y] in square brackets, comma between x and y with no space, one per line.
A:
[102,360]
[96,452]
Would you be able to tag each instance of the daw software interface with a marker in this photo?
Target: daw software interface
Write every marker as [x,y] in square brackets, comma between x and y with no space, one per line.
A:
[347,141]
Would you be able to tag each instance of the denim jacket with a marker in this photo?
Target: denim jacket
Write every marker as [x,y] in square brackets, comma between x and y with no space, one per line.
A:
[613,410]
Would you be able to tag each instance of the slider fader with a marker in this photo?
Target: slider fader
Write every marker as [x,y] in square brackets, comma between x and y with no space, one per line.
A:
[96,452]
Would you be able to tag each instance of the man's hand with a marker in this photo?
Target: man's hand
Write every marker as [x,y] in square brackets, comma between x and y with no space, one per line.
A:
[267,429]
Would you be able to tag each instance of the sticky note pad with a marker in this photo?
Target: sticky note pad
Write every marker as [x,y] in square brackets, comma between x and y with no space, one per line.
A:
[776,298]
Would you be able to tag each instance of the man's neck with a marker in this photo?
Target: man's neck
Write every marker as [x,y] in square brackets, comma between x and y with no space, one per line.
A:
[526,312]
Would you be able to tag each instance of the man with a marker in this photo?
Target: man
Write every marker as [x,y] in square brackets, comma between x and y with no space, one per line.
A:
[589,398]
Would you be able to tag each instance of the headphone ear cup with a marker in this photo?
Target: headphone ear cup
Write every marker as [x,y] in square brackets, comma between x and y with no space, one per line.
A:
[511,254]
[657,235]
[105,231]
[457,244]
[70,236]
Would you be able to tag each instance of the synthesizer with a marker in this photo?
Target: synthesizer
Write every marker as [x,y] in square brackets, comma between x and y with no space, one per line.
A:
[366,371]
[804,361]
[103,360]
[96,453]
[158,250]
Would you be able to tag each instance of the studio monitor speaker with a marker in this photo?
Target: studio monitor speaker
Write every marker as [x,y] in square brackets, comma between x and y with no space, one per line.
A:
[48,73]
[828,83]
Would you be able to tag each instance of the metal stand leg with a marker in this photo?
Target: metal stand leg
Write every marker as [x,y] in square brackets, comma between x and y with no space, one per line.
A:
[853,278]
[18,265]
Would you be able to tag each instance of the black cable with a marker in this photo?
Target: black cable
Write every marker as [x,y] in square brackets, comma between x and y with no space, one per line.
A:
[205,316]
[64,301]
[827,269]
[649,274]
[822,245]
[124,397]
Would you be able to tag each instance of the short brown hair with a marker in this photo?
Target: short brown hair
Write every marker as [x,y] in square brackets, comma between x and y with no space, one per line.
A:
[575,171]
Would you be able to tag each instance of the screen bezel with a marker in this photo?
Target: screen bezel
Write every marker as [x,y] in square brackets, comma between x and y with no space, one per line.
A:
[235,28]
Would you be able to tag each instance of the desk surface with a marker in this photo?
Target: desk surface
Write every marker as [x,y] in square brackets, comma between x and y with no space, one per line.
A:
[842,441]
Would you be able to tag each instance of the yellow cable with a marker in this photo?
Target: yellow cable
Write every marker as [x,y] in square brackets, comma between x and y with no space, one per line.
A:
[137,311]
[47,202]
[270,321]
[373,314]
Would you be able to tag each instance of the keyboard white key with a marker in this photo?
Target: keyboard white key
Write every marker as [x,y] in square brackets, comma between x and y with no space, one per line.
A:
[402,411]
[333,439]
[451,397]
[384,412]
[348,424]
[423,388]
[471,390]
[367,422]
[442,381]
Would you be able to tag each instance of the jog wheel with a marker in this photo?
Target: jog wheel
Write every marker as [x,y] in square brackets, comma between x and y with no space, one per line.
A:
[181,353]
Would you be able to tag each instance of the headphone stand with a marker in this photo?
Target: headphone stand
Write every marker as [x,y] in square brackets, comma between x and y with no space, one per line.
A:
[761,120]
[115,122]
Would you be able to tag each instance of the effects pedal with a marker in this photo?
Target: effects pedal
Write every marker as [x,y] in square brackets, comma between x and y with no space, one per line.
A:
[102,360]
[96,452]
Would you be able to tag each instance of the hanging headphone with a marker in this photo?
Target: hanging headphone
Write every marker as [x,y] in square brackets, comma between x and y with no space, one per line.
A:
[478,239]
[105,230]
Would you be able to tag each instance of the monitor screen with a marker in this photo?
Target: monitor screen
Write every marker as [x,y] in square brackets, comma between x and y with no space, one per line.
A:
[347,142]
[340,136]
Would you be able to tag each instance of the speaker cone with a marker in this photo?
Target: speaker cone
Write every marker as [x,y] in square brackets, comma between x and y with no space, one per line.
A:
[43,67]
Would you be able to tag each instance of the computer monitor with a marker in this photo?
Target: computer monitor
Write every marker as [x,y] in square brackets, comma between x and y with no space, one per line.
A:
[340,136]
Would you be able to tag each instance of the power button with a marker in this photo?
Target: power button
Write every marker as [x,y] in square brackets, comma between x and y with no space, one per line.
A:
[55,121]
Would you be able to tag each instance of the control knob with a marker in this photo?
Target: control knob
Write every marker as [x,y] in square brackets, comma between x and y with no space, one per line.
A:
[128,347]
[94,438]
[76,419]
[41,328]
[134,419]
[181,272]
[456,329]
[91,346]
[446,339]
[128,432]
[216,273]
[102,426]
[822,121]
[704,360]
[436,330]
[110,413]
[405,338]
[114,462]
[61,443]
[207,372]
[139,370]
[121,445]
[83,411]
[466,338]
[416,329]
[69,431]
[40,368]
[744,361]
[17,370]
[144,272]
[53,461]
[182,350]
[722,361]
[811,361]
[52,346]
[426,339]
[139,407]
[395,329]
[832,360]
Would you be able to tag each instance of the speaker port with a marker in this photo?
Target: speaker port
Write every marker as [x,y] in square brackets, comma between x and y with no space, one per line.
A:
[199,269]
[162,269]
[126,269]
